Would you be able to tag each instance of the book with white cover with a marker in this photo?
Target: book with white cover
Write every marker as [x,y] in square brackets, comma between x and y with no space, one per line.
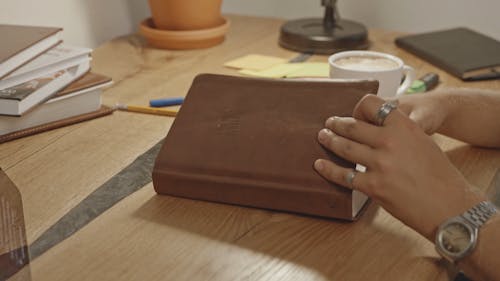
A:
[58,58]
[79,100]
[17,100]
[20,44]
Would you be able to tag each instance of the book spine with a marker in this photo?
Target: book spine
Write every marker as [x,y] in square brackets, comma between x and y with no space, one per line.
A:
[429,58]
[253,193]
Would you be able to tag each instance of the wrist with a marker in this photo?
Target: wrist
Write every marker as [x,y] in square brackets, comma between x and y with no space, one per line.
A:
[489,234]
[481,264]
[457,238]
[458,200]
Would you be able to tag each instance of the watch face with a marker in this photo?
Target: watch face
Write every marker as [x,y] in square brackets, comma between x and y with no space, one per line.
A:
[456,238]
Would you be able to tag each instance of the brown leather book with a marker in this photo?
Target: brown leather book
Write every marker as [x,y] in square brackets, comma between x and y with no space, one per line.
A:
[253,142]
[21,44]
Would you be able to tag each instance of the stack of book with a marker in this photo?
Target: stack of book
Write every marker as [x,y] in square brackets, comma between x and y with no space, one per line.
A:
[45,84]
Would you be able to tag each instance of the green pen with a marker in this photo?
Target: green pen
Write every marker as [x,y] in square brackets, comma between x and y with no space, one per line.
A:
[424,84]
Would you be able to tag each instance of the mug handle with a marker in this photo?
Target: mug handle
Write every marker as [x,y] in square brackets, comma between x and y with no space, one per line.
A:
[409,73]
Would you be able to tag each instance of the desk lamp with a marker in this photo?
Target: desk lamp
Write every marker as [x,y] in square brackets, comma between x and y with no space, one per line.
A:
[324,36]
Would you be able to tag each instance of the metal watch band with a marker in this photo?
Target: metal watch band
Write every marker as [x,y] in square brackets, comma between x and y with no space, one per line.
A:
[480,213]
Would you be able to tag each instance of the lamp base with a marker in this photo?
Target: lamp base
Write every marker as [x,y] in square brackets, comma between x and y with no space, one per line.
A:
[311,36]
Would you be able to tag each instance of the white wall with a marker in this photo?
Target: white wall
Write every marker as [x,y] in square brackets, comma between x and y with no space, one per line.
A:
[403,15]
[86,22]
[92,22]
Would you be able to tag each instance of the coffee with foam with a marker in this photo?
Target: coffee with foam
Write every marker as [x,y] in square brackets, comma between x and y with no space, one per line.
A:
[366,63]
[387,69]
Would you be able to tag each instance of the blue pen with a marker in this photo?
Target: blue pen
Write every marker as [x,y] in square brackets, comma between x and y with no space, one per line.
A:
[166,102]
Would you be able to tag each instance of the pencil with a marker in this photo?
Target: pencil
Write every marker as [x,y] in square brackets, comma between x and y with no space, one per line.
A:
[147,110]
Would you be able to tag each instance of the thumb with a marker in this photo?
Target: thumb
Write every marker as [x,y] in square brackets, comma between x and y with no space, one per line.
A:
[423,118]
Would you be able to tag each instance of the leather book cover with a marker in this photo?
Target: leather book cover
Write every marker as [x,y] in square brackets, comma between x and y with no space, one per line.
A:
[253,142]
[462,52]
[104,110]
[17,38]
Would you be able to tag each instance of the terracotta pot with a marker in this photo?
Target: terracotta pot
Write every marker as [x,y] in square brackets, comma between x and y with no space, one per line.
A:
[183,39]
[186,14]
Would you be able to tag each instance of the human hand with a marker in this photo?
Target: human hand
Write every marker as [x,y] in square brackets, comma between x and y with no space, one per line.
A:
[428,110]
[407,173]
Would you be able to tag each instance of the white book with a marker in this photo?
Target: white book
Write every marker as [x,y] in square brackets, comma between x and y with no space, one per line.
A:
[16,100]
[20,44]
[58,58]
[76,103]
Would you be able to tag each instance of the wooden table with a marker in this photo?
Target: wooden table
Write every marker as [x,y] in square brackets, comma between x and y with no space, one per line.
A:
[150,237]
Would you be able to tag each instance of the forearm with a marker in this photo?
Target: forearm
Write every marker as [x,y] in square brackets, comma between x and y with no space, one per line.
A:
[473,116]
[484,263]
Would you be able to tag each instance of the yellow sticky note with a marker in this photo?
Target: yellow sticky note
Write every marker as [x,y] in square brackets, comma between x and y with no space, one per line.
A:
[277,71]
[311,69]
[255,62]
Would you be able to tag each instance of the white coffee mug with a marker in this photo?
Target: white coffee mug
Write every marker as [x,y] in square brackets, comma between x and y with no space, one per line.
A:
[386,68]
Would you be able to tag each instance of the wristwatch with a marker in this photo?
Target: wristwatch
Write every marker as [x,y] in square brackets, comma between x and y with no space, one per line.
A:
[457,237]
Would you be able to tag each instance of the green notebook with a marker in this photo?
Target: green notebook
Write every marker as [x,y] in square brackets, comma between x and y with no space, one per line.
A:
[462,52]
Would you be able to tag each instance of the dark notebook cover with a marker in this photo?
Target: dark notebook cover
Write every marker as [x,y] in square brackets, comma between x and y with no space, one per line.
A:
[252,142]
[462,52]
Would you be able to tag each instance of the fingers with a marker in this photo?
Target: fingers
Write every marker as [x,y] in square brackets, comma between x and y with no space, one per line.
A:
[355,130]
[421,115]
[340,175]
[345,148]
[406,105]
[368,107]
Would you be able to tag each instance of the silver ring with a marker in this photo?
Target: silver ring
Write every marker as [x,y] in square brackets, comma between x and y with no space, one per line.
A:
[349,178]
[384,111]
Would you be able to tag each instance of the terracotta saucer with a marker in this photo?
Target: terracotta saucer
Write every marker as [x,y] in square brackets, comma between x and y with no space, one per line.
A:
[183,39]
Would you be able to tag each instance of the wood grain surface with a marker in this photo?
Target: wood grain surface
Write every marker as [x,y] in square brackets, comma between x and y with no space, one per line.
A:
[150,237]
